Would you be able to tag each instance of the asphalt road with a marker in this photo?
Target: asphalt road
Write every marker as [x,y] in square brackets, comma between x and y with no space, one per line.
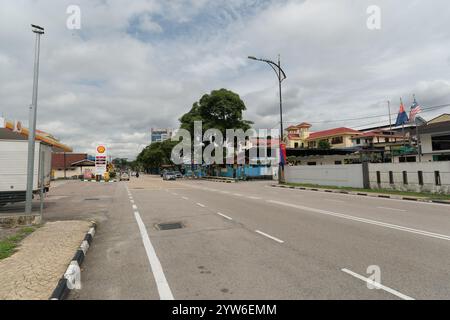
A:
[252,241]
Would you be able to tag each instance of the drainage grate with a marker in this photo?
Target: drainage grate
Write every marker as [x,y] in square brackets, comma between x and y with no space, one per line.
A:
[169,226]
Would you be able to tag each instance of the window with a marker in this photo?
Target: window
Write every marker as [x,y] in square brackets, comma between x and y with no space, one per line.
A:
[420,176]
[337,140]
[378,177]
[386,139]
[391,177]
[405,177]
[440,142]
[313,163]
[338,162]
[358,141]
[437,178]
[296,145]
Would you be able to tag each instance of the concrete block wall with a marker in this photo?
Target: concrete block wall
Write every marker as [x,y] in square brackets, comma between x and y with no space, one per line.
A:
[349,175]
[412,169]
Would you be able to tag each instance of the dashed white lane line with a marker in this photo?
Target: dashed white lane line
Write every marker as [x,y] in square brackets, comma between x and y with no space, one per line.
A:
[238,194]
[377,285]
[185,198]
[225,192]
[201,205]
[269,236]
[368,221]
[393,209]
[254,198]
[161,282]
[225,216]
[131,200]
[134,207]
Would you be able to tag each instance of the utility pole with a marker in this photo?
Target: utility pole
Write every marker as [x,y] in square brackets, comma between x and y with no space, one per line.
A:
[32,121]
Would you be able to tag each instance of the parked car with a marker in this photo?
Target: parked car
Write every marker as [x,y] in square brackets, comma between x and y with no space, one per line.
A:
[178,174]
[124,176]
[169,175]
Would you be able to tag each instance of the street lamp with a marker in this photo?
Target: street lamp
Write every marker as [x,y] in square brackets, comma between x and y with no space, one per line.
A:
[281,76]
[32,120]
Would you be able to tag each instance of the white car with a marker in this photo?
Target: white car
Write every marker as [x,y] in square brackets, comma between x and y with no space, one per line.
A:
[124,176]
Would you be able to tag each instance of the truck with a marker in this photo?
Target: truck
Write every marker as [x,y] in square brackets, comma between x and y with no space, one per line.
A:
[13,169]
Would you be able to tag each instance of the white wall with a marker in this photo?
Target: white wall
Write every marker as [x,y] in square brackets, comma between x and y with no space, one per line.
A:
[349,175]
[412,168]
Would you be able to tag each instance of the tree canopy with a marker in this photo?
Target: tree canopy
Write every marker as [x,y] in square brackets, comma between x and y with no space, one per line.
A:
[156,154]
[221,109]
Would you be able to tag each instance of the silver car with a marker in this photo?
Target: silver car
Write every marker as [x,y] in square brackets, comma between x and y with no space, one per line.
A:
[169,176]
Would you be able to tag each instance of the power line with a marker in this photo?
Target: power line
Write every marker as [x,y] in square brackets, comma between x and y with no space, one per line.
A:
[424,109]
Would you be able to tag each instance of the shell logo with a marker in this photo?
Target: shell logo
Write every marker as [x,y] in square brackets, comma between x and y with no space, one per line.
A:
[101,149]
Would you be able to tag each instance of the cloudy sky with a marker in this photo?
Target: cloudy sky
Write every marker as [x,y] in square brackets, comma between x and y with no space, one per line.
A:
[139,64]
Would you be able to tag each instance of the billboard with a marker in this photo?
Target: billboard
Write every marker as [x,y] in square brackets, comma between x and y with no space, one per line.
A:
[101,160]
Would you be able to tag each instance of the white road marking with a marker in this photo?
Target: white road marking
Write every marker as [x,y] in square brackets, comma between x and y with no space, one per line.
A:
[175,194]
[132,201]
[185,198]
[225,216]
[374,222]
[370,197]
[238,194]
[225,192]
[254,198]
[269,236]
[134,207]
[161,282]
[201,205]
[393,209]
[378,285]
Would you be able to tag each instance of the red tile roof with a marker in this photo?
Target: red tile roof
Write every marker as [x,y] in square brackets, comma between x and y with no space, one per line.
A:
[332,132]
[301,125]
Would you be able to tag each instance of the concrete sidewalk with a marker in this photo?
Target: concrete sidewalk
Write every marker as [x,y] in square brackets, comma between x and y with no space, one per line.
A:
[32,273]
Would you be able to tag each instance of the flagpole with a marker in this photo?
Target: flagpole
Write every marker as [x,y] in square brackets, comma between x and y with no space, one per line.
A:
[390,129]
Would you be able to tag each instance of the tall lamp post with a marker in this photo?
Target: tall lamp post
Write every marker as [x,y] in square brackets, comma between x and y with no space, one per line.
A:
[32,120]
[281,76]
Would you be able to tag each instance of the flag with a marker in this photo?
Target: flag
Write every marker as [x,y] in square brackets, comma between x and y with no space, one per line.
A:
[402,116]
[282,154]
[415,109]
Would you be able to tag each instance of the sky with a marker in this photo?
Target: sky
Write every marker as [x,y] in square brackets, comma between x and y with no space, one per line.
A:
[138,64]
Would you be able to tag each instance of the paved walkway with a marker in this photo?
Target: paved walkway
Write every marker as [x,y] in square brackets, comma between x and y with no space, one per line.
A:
[34,270]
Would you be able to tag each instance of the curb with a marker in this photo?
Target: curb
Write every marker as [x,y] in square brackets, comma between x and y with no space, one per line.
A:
[71,277]
[368,194]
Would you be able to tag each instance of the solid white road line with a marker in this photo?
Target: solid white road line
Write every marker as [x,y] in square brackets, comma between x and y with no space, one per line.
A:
[161,282]
[225,216]
[393,209]
[269,236]
[378,285]
[201,205]
[374,222]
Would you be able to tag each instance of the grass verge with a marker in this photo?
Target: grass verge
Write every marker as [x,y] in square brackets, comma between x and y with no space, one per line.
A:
[425,195]
[9,245]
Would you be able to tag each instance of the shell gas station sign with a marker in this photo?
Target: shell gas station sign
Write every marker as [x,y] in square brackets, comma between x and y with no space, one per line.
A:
[101,160]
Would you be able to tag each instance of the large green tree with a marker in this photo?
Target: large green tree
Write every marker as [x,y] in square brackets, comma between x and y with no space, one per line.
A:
[221,109]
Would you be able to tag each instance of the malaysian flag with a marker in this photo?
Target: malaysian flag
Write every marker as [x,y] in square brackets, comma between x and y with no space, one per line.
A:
[415,109]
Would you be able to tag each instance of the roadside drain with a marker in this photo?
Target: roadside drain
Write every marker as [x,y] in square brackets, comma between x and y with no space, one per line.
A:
[169,226]
[92,199]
